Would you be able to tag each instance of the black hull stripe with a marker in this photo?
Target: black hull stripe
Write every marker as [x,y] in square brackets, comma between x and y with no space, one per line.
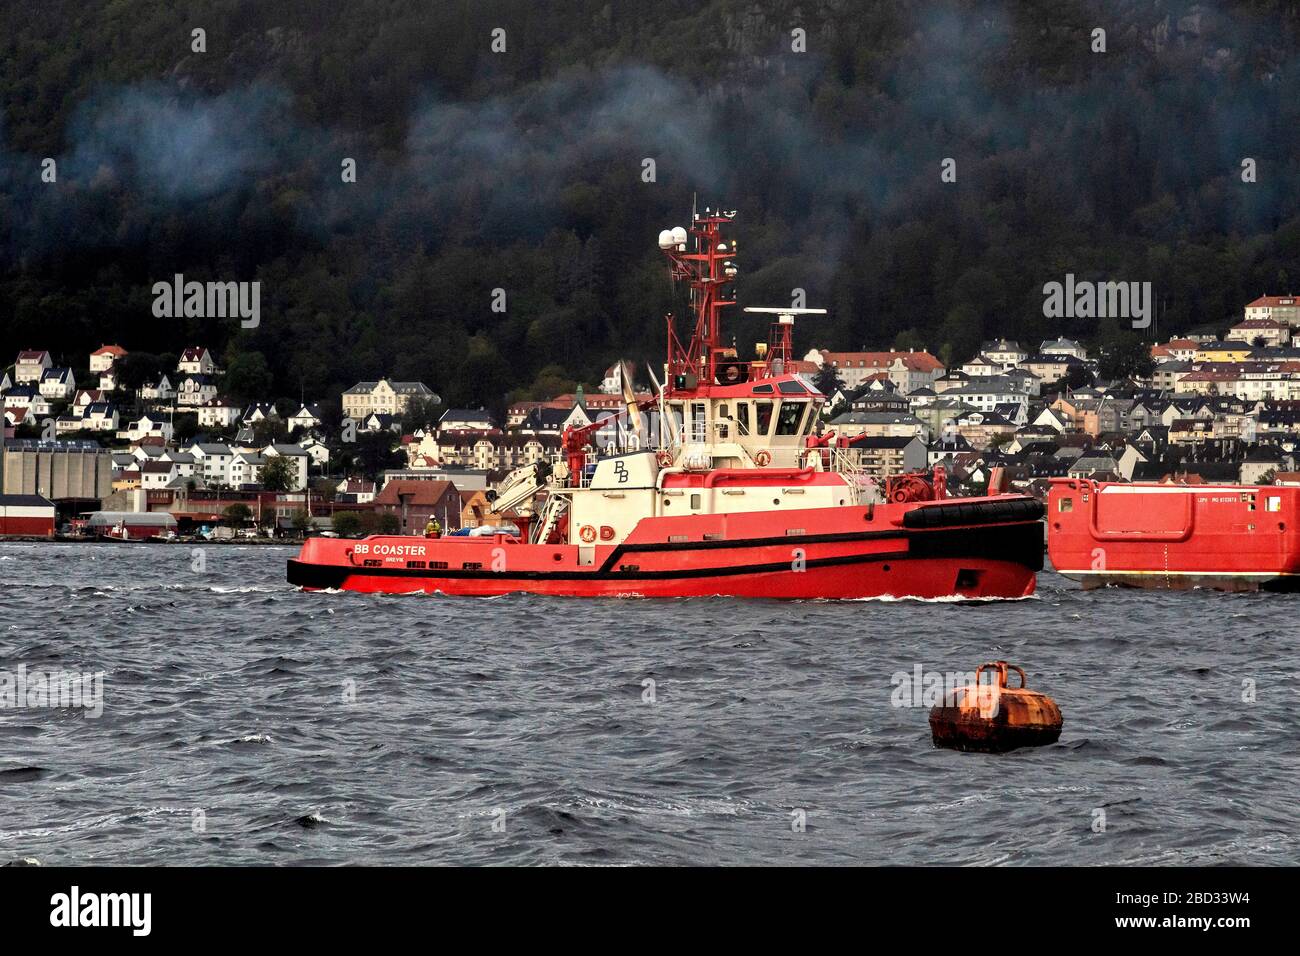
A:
[628,548]
[719,571]
[1021,544]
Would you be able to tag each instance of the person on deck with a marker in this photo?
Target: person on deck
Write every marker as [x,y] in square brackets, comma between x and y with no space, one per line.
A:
[433,529]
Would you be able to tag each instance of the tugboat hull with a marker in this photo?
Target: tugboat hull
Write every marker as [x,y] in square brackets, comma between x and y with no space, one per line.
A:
[1175,537]
[833,553]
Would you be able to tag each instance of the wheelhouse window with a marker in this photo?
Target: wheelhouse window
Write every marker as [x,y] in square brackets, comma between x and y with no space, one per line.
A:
[788,419]
[699,419]
[762,417]
[675,421]
[742,418]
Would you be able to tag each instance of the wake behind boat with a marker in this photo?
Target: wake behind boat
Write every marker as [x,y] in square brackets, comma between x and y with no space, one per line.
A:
[736,495]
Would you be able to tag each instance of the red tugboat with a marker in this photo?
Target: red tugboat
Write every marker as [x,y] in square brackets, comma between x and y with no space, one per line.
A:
[736,495]
[1178,537]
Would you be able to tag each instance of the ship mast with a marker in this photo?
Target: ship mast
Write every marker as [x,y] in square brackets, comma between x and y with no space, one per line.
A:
[707,271]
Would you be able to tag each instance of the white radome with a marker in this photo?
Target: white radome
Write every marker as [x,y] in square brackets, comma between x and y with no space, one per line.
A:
[679,235]
[666,239]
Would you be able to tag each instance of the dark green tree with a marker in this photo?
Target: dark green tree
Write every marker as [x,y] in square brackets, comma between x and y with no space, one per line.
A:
[279,474]
[827,380]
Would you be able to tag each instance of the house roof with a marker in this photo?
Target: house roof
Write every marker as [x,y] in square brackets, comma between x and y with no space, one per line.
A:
[114,350]
[416,491]
[899,441]
[352,486]
[401,388]
[465,415]
[1273,301]
[916,361]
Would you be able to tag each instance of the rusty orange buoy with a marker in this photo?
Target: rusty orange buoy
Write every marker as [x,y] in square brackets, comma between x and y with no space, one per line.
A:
[994,718]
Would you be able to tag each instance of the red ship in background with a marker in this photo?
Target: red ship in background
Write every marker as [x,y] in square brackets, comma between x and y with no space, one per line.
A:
[1169,536]
[737,494]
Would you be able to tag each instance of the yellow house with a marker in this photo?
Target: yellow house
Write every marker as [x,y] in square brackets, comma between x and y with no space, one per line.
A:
[1223,352]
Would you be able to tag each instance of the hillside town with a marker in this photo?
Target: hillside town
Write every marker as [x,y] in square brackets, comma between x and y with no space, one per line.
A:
[169,454]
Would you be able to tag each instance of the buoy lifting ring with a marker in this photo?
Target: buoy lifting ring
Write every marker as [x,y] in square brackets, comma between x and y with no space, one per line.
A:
[1002,667]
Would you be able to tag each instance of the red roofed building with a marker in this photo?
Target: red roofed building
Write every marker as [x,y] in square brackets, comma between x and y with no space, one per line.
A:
[102,359]
[907,370]
[414,502]
[31,365]
[1175,350]
[1280,308]
[1267,331]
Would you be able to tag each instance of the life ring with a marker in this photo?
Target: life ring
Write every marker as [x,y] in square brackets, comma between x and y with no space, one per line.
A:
[587,533]
[763,458]
[665,458]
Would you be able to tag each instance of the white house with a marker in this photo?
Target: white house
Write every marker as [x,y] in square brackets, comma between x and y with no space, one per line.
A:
[183,460]
[355,490]
[1054,419]
[212,462]
[297,455]
[21,396]
[982,366]
[160,391]
[30,366]
[318,451]
[147,426]
[1064,346]
[258,412]
[85,397]
[986,393]
[102,359]
[1268,331]
[196,360]
[100,417]
[1004,352]
[194,390]
[307,417]
[218,413]
[246,469]
[465,420]
[157,474]
[612,383]
[58,384]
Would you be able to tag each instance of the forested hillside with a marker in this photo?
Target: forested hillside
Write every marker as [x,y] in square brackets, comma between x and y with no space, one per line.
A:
[522,170]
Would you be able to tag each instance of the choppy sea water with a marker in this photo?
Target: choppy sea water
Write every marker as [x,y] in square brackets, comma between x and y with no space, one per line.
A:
[245,722]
